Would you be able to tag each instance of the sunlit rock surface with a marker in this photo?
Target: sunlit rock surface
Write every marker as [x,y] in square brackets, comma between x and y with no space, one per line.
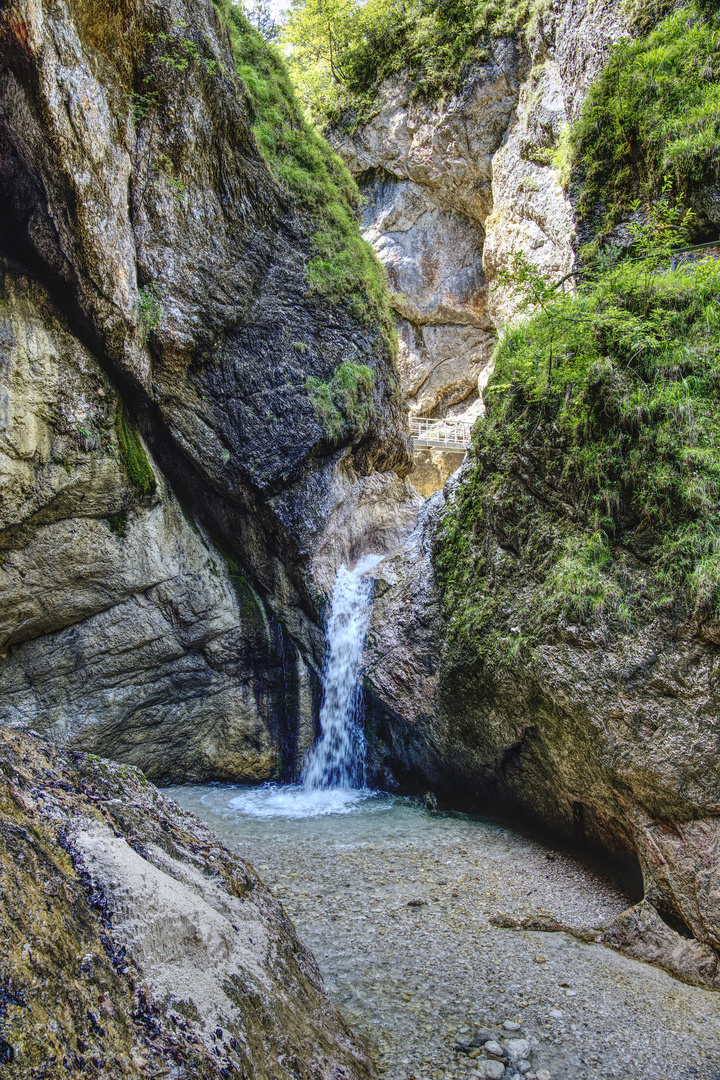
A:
[136,945]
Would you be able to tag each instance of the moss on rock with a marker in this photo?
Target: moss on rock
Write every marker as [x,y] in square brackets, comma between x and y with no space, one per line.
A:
[598,462]
[133,456]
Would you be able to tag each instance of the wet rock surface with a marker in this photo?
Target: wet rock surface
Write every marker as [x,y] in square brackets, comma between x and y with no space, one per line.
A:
[402,913]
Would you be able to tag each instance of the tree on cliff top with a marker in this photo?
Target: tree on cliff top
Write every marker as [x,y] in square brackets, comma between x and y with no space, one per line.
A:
[342,50]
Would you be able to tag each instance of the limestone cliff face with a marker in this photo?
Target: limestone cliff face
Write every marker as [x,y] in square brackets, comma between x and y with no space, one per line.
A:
[604,735]
[135,945]
[455,188]
[165,476]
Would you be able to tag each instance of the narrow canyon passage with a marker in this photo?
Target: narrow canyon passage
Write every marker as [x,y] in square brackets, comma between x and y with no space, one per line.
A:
[398,905]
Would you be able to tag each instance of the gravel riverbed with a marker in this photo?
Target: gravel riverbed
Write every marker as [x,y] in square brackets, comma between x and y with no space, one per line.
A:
[401,909]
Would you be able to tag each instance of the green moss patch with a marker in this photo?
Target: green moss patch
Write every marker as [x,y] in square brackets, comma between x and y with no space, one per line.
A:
[133,456]
[344,404]
[118,523]
[594,494]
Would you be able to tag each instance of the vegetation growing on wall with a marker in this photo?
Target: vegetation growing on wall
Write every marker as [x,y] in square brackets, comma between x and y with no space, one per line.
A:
[133,456]
[345,403]
[653,113]
[341,50]
[343,267]
[597,465]
[250,606]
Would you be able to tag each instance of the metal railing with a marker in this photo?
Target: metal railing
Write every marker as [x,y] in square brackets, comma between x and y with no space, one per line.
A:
[453,434]
[678,256]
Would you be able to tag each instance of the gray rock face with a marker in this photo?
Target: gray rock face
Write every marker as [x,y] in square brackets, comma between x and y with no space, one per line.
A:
[641,933]
[455,188]
[154,279]
[121,629]
[425,170]
[531,213]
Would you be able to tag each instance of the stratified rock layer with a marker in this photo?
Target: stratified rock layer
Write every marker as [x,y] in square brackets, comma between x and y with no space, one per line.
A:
[135,945]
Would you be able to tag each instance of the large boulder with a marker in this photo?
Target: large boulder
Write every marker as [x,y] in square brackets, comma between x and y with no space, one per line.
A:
[135,945]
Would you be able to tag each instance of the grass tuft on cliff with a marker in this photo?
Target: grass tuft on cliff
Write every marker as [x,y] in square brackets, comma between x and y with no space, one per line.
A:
[342,50]
[593,494]
[343,267]
[653,113]
[345,403]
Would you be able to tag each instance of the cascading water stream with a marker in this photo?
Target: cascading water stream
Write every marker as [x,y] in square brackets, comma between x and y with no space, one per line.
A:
[338,758]
[333,779]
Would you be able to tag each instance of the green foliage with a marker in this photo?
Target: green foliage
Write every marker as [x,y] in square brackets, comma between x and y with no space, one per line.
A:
[118,523]
[652,114]
[343,267]
[133,456]
[342,50]
[180,52]
[151,307]
[604,405]
[345,403]
[165,168]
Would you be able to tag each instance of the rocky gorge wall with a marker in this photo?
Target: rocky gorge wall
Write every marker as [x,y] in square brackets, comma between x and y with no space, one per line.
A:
[166,477]
[174,503]
[602,734]
[453,189]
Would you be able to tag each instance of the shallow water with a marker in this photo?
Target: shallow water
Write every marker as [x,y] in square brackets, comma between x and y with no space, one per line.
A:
[396,904]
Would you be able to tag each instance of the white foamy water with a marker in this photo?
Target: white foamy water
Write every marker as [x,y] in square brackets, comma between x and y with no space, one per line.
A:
[338,758]
[333,780]
[298,801]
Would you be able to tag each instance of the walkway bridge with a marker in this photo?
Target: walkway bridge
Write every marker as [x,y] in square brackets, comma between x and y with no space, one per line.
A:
[450,434]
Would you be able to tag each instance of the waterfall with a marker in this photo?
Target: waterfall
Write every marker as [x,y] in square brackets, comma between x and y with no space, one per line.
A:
[338,758]
[333,780]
